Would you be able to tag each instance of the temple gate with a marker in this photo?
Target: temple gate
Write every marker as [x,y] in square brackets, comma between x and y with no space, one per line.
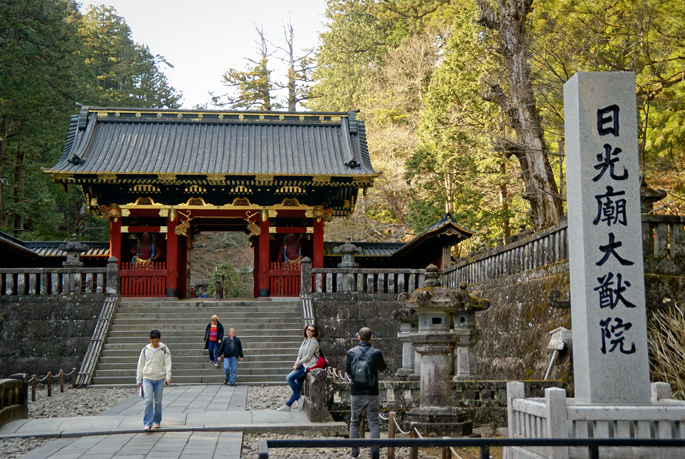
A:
[163,176]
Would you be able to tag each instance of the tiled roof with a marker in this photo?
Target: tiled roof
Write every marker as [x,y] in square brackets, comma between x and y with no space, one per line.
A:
[51,248]
[369,249]
[150,141]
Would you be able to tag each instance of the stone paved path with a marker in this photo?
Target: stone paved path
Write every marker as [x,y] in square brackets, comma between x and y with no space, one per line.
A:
[199,421]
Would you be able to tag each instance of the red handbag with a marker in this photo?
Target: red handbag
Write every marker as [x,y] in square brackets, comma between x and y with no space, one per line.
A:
[320,363]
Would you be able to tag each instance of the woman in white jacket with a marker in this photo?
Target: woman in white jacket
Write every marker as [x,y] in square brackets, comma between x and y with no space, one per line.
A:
[307,356]
[154,372]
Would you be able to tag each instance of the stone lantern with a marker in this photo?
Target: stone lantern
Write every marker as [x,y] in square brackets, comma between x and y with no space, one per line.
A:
[435,307]
[74,250]
[347,252]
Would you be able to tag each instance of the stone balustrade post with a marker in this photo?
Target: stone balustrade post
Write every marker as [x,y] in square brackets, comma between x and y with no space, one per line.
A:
[316,403]
[306,275]
[112,276]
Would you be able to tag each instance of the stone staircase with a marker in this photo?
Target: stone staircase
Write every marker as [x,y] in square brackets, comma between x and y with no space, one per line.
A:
[270,332]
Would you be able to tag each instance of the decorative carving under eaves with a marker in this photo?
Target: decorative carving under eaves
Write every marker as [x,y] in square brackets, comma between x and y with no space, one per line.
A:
[242,202]
[166,177]
[109,212]
[289,202]
[264,178]
[216,177]
[182,229]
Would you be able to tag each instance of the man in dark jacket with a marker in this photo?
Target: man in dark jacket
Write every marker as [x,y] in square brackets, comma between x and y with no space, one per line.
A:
[363,364]
[231,349]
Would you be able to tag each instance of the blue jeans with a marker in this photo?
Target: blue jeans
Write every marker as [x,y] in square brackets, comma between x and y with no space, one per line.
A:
[295,380]
[152,389]
[230,368]
[357,405]
[212,347]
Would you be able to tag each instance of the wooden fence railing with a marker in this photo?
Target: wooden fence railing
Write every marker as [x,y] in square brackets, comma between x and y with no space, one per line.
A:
[48,381]
[143,279]
[284,279]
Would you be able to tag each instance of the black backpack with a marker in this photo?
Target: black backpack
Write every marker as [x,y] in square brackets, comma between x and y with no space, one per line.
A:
[363,375]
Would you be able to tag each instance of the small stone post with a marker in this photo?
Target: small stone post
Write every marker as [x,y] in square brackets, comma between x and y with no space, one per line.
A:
[306,275]
[408,322]
[468,334]
[112,276]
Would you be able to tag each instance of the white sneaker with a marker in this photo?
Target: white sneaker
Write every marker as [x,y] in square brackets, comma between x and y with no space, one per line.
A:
[284,408]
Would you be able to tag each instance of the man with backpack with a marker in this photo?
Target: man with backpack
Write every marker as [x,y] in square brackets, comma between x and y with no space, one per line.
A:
[363,364]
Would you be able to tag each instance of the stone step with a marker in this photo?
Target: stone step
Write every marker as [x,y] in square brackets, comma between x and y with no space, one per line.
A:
[201,379]
[195,339]
[203,318]
[133,353]
[131,373]
[271,333]
[262,323]
[201,359]
[213,308]
[204,364]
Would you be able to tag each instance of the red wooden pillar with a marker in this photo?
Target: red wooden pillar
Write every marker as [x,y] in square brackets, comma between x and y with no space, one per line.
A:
[255,273]
[172,255]
[115,238]
[264,254]
[317,256]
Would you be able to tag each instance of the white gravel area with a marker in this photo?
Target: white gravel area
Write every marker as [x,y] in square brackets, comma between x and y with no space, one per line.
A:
[70,403]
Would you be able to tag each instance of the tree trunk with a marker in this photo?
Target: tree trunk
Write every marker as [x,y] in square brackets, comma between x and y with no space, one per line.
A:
[540,188]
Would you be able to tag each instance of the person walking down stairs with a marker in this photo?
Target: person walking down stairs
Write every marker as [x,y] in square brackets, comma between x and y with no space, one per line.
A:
[214,335]
[231,349]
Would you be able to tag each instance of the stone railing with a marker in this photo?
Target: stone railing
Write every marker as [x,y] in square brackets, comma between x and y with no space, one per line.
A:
[327,392]
[14,398]
[555,416]
[59,281]
[663,237]
[376,283]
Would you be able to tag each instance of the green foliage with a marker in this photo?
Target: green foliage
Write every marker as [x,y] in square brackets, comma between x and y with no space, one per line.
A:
[646,37]
[253,88]
[122,73]
[50,58]
[236,283]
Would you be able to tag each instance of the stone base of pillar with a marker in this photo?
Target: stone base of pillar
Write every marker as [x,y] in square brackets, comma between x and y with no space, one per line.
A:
[467,377]
[404,373]
[435,421]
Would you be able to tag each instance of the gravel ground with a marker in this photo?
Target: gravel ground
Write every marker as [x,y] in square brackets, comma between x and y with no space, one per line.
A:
[70,403]
[92,401]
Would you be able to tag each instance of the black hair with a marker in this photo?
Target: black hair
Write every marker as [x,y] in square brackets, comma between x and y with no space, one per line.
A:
[155,334]
[365,334]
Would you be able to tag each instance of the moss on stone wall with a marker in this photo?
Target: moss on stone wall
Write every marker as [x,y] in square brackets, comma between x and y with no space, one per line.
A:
[46,333]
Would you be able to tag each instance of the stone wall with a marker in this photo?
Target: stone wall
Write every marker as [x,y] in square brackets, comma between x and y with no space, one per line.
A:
[340,316]
[517,278]
[46,333]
